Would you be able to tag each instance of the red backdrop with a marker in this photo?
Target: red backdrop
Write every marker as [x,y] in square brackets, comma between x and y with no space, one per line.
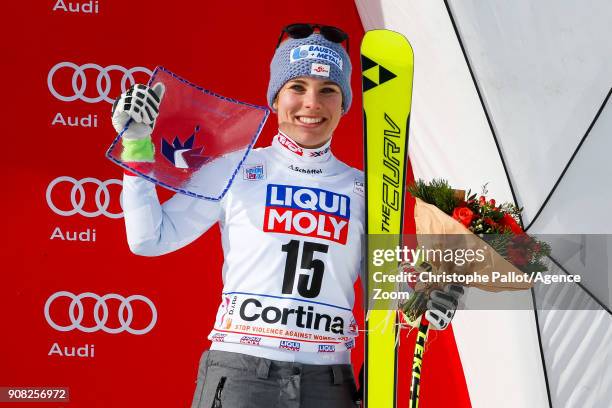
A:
[63,61]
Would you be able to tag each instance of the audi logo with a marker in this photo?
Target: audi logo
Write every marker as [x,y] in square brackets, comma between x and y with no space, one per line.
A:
[102,197]
[76,313]
[103,81]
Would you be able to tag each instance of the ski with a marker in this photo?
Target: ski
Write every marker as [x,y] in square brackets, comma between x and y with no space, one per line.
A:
[387,70]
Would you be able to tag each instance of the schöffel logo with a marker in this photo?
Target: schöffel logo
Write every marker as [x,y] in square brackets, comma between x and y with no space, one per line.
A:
[289,345]
[307,211]
[305,171]
[254,172]
[253,340]
[219,337]
[290,145]
[326,348]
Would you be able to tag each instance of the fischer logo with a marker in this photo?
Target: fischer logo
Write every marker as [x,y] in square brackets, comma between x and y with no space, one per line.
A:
[319,69]
[327,348]
[103,83]
[290,145]
[289,345]
[252,340]
[75,312]
[303,317]
[307,211]
[101,197]
[220,337]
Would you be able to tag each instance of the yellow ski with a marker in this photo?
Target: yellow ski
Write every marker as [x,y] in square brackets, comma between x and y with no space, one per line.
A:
[387,69]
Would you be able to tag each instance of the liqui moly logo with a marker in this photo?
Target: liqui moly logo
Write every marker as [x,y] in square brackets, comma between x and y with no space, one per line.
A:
[326,348]
[307,211]
[290,145]
[349,344]
[289,345]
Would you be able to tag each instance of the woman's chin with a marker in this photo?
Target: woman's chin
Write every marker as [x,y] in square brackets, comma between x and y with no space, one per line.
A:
[308,137]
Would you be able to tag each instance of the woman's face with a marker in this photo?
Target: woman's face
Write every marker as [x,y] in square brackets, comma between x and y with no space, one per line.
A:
[309,110]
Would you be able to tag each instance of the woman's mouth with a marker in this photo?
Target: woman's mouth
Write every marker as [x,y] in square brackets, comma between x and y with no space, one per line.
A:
[310,120]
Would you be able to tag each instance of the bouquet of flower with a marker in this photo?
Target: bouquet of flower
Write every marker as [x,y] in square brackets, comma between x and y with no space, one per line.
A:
[442,210]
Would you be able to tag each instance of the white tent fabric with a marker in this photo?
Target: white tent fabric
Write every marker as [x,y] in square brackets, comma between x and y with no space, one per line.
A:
[531,77]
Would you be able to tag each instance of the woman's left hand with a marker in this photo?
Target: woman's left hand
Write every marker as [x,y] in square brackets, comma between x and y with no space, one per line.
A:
[442,305]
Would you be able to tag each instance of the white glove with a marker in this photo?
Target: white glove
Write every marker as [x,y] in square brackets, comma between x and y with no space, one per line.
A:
[141,104]
[442,305]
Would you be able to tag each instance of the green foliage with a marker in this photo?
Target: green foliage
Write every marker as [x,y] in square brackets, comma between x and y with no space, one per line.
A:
[438,193]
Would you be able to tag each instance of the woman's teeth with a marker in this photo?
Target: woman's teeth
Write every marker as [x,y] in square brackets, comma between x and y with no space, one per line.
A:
[309,120]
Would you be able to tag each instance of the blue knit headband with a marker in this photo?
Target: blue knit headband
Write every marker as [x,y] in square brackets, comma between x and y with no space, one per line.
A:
[315,57]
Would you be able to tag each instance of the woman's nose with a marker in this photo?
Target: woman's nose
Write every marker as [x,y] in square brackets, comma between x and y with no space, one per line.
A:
[311,100]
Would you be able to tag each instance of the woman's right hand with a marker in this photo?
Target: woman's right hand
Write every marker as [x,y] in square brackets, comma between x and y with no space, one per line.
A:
[141,104]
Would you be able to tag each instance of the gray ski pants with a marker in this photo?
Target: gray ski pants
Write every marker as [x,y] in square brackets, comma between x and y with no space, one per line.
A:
[234,380]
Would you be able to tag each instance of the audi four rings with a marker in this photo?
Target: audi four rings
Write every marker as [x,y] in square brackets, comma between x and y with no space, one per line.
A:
[103,81]
[102,197]
[124,307]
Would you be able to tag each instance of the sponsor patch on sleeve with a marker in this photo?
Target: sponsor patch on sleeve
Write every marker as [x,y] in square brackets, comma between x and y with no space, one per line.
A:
[254,172]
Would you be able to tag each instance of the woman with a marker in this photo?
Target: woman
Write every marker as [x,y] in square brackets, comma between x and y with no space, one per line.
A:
[292,238]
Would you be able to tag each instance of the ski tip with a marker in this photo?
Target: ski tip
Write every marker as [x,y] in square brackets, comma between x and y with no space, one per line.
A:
[388,39]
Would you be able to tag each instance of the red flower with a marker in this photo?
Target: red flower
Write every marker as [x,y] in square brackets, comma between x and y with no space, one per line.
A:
[492,202]
[518,257]
[509,222]
[482,200]
[464,215]
[489,221]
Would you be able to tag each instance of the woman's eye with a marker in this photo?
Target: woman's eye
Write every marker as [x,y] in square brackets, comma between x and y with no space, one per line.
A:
[296,87]
[329,90]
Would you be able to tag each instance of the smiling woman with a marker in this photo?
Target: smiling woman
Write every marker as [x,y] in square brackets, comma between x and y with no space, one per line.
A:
[292,236]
